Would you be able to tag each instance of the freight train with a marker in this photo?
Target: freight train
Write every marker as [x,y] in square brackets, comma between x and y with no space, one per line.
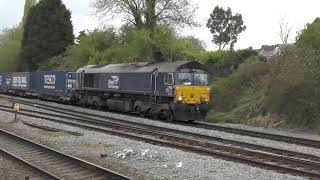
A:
[167,90]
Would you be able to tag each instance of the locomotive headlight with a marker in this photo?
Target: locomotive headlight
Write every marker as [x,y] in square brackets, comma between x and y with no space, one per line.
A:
[180,98]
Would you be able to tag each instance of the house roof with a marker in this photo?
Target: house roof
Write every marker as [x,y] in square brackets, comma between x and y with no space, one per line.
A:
[269,51]
[268,48]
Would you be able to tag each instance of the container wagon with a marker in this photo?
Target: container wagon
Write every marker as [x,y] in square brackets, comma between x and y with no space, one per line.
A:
[54,85]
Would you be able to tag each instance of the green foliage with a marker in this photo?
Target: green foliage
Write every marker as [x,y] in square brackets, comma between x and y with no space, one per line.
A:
[310,36]
[47,32]
[285,93]
[227,90]
[225,27]
[240,96]
[10,46]
[173,47]
[222,63]
[127,45]
[90,47]
[132,47]
[294,91]
[27,5]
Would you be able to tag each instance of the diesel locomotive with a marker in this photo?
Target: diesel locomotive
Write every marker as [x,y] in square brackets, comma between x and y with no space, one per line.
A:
[167,90]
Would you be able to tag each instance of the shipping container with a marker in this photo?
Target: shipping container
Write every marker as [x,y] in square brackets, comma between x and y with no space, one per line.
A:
[2,82]
[55,85]
[7,82]
[20,81]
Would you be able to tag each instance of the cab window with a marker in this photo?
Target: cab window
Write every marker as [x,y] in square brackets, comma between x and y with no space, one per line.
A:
[184,78]
[168,79]
[201,79]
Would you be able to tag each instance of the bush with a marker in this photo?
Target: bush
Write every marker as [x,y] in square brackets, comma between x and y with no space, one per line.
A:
[286,93]
[226,91]
[223,63]
[294,90]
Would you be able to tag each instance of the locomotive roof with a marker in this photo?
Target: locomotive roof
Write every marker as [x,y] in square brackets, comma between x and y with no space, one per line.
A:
[141,67]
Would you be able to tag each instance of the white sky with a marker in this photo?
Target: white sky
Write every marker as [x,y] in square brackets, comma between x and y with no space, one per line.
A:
[261,18]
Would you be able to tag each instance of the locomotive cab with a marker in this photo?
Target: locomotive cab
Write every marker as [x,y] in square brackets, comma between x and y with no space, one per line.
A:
[191,94]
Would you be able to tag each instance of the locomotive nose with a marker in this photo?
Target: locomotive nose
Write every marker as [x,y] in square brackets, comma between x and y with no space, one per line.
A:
[192,94]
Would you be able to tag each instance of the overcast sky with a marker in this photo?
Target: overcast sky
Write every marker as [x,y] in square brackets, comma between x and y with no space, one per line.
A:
[261,18]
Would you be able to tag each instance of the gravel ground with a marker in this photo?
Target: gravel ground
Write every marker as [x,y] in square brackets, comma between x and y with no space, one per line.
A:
[137,159]
[11,169]
[264,142]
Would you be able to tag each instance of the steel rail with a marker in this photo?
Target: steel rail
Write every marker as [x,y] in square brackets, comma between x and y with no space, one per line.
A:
[211,126]
[277,137]
[41,171]
[171,130]
[50,160]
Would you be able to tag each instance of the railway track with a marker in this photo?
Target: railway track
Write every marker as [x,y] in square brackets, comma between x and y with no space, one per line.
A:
[51,163]
[277,137]
[80,116]
[204,125]
[282,163]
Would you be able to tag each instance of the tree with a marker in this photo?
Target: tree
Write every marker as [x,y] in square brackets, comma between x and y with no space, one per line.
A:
[225,27]
[310,36]
[27,5]
[285,30]
[149,13]
[10,46]
[47,32]
[128,44]
[10,43]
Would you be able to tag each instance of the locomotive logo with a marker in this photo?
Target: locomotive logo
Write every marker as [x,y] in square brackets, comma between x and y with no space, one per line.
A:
[113,82]
[49,81]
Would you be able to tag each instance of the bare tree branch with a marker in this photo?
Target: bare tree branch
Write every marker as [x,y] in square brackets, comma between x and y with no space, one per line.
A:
[285,30]
[148,12]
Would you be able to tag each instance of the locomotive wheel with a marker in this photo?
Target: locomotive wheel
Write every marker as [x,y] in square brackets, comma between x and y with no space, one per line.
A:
[154,116]
[139,111]
[170,116]
[96,105]
[167,115]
